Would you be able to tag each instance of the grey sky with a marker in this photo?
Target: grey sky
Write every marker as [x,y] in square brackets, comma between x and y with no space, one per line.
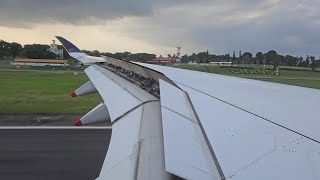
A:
[288,26]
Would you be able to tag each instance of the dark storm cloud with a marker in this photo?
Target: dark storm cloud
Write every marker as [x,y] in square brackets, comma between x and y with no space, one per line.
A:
[291,28]
[288,26]
[24,12]
[21,13]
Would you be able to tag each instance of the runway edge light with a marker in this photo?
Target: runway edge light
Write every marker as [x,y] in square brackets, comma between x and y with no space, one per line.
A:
[87,88]
[99,114]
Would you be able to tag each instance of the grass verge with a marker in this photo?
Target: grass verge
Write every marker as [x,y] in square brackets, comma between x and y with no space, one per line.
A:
[298,78]
[40,91]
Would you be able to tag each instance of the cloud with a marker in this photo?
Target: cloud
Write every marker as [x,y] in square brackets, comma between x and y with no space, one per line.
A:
[21,13]
[288,26]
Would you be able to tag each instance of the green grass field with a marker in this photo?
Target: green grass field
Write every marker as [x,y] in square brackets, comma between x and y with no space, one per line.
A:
[298,78]
[38,91]
[48,91]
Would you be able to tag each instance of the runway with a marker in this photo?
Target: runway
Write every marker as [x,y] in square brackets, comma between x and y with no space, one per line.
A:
[50,153]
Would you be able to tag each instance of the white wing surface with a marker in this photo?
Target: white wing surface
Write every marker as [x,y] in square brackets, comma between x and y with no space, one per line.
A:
[136,147]
[290,106]
[258,130]
[172,123]
[187,153]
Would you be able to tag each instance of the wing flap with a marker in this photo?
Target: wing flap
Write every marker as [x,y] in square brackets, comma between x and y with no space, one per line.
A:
[186,152]
[122,156]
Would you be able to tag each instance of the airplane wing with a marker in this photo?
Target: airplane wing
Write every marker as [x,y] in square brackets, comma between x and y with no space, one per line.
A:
[170,123]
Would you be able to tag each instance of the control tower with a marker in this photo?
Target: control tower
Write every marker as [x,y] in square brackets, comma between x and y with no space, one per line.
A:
[54,49]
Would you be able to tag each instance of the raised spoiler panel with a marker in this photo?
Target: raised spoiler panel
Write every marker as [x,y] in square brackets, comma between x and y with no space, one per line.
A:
[138,69]
[119,95]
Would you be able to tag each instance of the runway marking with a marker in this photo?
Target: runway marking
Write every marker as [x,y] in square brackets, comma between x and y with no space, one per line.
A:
[54,127]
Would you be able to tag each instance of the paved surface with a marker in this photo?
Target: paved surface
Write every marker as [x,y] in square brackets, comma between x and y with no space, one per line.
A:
[52,153]
[41,120]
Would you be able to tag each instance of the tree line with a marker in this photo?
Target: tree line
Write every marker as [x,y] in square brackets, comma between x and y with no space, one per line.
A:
[269,58]
[40,51]
[9,50]
[32,51]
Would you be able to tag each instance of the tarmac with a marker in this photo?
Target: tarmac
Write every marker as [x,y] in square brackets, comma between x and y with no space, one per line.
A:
[52,152]
[41,119]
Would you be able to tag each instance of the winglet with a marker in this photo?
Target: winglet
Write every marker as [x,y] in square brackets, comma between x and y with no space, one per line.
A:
[78,54]
[68,45]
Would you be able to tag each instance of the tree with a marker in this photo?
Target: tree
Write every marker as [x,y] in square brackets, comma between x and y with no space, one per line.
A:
[259,57]
[92,53]
[291,61]
[307,61]
[194,58]
[37,51]
[300,64]
[281,59]
[234,56]
[271,56]
[9,49]
[15,49]
[185,59]
[120,55]
[202,57]
[240,57]
[3,49]
[247,57]
[142,57]
[227,57]
[313,63]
